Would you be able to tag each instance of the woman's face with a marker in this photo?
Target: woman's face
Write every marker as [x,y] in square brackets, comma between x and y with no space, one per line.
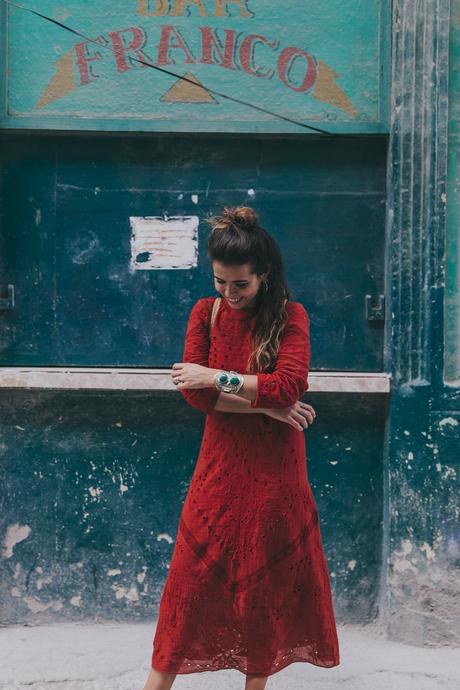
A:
[237,284]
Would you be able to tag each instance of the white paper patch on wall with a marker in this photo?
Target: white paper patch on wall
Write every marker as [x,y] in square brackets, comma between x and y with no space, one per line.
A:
[157,243]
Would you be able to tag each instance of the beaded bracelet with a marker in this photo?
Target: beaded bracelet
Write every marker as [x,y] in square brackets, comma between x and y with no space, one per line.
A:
[228,381]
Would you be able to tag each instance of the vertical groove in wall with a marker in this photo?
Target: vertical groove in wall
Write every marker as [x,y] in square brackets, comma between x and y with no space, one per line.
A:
[451,331]
[417,180]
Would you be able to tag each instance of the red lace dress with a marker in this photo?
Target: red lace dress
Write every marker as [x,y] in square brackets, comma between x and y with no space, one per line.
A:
[248,585]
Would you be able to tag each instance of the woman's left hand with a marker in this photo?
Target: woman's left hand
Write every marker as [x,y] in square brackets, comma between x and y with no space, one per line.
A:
[191,375]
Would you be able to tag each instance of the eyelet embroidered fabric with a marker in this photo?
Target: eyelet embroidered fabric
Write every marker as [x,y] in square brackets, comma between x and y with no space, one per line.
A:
[248,585]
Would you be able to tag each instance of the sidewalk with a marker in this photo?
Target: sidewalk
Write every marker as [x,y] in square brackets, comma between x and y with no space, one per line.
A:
[116,656]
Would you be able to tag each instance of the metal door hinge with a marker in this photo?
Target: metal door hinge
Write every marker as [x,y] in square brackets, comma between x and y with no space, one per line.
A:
[377,312]
[7,302]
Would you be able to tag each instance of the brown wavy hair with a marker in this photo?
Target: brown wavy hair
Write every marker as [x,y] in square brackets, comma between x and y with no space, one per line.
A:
[237,238]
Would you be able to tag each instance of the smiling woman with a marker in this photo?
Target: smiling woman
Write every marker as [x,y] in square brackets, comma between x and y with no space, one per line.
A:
[237,284]
[243,256]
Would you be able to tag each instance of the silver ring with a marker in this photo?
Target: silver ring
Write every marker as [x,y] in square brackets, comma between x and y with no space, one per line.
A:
[176,381]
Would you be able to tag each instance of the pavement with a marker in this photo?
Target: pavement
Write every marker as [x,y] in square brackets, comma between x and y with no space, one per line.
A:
[116,656]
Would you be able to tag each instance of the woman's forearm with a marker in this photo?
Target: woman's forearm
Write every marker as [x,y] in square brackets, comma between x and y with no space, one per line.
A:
[229,402]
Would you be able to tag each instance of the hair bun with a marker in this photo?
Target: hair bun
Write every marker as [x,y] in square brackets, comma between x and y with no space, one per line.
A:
[241,215]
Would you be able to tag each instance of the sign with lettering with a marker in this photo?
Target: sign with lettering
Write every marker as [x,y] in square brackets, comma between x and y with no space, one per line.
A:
[199,65]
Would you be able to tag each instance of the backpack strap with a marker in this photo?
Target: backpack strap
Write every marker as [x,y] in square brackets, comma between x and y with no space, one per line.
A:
[215,309]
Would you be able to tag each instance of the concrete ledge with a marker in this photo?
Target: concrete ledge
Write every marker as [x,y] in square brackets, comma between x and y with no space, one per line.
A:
[160,379]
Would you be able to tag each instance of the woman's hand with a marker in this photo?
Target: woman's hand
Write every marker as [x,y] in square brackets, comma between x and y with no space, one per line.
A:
[299,415]
[192,375]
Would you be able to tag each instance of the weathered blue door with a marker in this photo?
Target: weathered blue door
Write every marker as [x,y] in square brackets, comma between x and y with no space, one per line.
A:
[67,249]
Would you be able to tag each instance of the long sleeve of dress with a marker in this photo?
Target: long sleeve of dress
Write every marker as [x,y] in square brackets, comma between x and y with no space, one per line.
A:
[289,380]
[196,351]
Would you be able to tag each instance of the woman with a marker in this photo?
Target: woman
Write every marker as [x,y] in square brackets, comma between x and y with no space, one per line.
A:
[248,586]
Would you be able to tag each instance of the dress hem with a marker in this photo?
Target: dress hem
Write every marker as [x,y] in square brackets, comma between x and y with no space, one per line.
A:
[293,660]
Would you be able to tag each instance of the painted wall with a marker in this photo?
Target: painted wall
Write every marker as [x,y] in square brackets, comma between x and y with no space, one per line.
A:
[93,485]
[419,594]
[92,290]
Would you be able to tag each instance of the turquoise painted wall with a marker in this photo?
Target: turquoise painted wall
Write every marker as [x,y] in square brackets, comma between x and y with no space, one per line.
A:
[419,594]
[66,237]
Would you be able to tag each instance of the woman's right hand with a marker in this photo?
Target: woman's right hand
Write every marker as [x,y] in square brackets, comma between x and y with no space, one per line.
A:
[299,415]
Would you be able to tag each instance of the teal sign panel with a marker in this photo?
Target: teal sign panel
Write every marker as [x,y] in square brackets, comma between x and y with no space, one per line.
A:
[204,65]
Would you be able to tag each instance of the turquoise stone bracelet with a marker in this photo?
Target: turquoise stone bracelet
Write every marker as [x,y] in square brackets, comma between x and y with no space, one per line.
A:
[228,382]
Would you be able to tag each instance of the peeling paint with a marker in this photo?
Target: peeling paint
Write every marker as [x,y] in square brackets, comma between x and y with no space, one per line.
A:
[113,572]
[14,534]
[123,487]
[130,594]
[429,551]
[400,561]
[449,473]
[141,576]
[166,537]
[37,606]
[447,421]
[44,581]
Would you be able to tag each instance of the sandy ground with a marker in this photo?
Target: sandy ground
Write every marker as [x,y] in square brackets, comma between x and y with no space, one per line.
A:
[116,656]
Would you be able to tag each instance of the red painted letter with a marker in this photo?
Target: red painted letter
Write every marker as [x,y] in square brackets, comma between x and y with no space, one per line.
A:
[247,55]
[165,46]
[285,60]
[210,40]
[139,39]
[83,60]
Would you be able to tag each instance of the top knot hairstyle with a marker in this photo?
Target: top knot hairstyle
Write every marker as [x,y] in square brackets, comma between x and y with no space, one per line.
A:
[241,216]
[237,238]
